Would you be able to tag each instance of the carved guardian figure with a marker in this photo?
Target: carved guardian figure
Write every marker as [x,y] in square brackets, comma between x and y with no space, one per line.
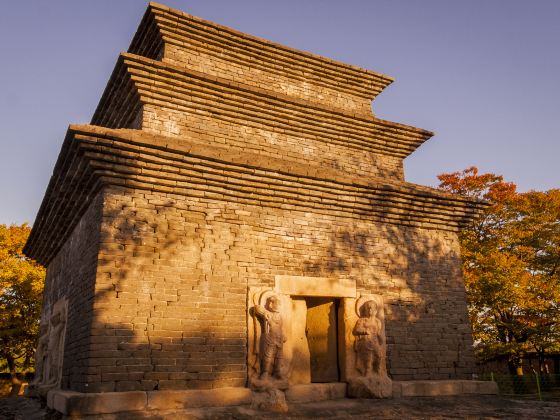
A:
[370,348]
[272,338]
[369,341]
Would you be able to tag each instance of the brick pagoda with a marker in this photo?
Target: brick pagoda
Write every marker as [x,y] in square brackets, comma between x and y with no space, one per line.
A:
[218,166]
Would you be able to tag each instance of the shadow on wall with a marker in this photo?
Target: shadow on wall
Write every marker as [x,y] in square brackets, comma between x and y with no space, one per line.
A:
[170,306]
[162,320]
[418,272]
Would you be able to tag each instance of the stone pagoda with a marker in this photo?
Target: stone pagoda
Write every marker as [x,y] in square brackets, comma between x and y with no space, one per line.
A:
[234,227]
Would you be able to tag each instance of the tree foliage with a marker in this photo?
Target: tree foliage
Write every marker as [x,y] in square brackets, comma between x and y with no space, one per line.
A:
[21,288]
[511,264]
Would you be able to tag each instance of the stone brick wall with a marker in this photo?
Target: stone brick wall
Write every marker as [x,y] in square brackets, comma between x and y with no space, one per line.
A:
[72,274]
[262,139]
[174,271]
[169,303]
[214,63]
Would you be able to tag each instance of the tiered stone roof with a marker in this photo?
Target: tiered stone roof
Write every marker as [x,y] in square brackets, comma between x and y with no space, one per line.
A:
[242,80]
[163,28]
[138,80]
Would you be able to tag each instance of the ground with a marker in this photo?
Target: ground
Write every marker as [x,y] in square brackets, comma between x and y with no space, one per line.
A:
[465,407]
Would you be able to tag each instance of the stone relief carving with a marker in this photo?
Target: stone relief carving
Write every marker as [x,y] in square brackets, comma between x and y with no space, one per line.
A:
[369,377]
[271,327]
[40,356]
[50,350]
[369,344]
[270,353]
[272,339]
[55,347]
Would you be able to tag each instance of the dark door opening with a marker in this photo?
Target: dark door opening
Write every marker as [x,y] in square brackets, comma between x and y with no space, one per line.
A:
[321,331]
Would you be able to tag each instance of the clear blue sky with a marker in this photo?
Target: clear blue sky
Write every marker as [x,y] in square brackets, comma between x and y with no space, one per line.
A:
[483,74]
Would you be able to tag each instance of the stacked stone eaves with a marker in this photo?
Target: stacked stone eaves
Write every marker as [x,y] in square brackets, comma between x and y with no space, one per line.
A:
[93,156]
[177,37]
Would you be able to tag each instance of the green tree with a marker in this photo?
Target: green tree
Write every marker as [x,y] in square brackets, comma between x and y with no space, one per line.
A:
[21,289]
[511,264]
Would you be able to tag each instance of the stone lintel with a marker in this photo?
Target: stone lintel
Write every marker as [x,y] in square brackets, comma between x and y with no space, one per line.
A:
[443,388]
[81,404]
[315,286]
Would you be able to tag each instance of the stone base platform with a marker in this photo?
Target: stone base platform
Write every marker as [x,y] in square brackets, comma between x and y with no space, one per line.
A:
[78,404]
[442,388]
[452,407]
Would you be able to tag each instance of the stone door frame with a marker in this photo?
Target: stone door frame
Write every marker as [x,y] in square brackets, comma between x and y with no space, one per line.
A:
[287,287]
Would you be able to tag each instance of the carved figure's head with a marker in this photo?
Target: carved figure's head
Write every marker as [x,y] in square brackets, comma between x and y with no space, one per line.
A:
[273,304]
[369,309]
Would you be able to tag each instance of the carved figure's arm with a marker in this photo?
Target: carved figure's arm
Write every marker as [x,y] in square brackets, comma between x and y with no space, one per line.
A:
[260,311]
[359,328]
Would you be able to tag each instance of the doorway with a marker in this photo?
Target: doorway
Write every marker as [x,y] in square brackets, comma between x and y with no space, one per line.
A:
[322,336]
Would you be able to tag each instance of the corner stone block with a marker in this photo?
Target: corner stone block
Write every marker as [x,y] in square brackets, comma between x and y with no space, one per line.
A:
[431,388]
[443,387]
[480,387]
[79,404]
[316,392]
[219,397]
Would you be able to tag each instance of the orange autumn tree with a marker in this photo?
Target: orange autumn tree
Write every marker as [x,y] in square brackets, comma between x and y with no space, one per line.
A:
[21,288]
[511,264]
